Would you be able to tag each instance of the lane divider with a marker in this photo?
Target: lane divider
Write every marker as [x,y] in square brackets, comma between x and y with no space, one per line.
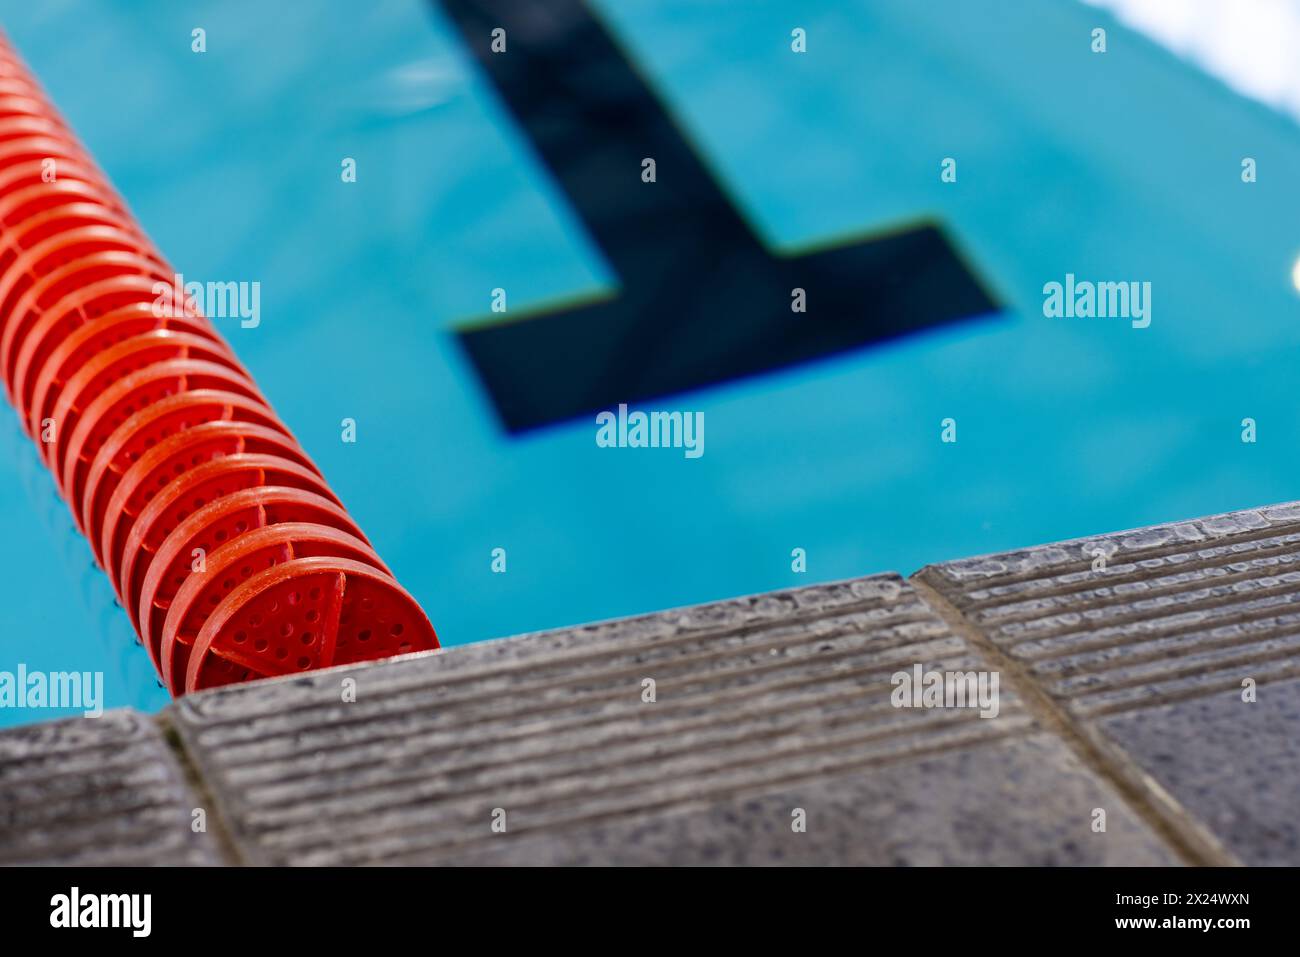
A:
[230,554]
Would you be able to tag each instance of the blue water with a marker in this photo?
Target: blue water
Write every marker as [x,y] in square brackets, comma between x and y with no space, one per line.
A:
[1122,166]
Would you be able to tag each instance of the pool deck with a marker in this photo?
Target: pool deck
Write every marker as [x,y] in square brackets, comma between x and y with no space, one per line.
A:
[1147,712]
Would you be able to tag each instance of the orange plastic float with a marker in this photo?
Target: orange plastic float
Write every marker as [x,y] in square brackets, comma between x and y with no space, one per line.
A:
[80,433]
[71,353]
[230,553]
[236,562]
[208,529]
[142,433]
[361,614]
[165,464]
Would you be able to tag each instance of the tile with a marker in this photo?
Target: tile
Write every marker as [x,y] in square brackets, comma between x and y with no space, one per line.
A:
[1234,764]
[1144,639]
[761,705]
[1021,800]
[96,791]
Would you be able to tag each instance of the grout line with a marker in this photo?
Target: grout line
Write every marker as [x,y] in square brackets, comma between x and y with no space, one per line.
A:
[1149,800]
[218,831]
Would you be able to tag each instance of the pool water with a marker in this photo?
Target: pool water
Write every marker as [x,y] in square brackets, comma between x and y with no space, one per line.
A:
[1116,167]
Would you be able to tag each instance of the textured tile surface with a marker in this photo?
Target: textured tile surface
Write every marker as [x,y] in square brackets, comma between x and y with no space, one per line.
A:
[1021,800]
[1234,764]
[1148,646]
[763,705]
[95,791]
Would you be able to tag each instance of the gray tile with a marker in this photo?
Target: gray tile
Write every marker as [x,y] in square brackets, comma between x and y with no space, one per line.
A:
[1021,800]
[96,791]
[1145,653]
[1233,763]
[763,704]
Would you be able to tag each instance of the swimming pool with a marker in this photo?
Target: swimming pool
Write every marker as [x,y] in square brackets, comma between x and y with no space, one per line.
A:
[1117,167]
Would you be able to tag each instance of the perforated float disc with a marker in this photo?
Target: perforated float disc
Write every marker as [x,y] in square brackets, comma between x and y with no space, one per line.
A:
[41,148]
[45,294]
[58,250]
[63,321]
[198,487]
[119,361]
[362,614]
[236,562]
[67,209]
[24,195]
[77,442]
[83,344]
[168,461]
[151,426]
[208,529]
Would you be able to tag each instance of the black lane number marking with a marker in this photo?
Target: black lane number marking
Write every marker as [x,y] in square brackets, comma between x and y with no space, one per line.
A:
[700,301]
